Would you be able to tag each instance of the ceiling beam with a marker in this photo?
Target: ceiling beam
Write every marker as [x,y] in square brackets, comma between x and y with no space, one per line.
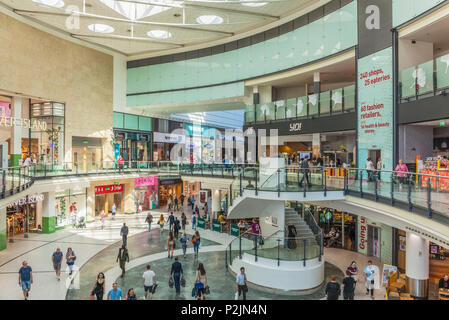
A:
[119,20]
[195,6]
[118,37]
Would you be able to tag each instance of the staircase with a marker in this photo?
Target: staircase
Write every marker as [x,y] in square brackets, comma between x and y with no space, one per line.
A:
[301,226]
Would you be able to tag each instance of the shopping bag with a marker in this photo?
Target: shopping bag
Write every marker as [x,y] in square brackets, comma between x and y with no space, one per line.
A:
[154,287]
[91,297]
[183,282]
[193,292]
[171,283]
[236,296]
[261,242]
[207,290]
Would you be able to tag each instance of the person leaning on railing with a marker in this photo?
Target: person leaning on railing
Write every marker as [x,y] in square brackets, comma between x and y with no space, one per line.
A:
[402,172]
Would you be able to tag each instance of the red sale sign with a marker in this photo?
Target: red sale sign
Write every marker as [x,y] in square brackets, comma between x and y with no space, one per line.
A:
[109,189]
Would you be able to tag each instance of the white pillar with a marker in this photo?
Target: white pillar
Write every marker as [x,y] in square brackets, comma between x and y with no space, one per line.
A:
[216,203]
[16,133]
[49,213]
[417,265]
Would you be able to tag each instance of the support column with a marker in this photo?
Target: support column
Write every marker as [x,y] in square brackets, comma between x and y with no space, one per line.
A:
[417,265]
[48,213]
[16,133]
[316,145]
[3,229]
[317,89]
[216,204]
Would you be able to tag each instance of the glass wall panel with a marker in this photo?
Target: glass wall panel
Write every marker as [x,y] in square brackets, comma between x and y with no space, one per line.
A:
[301,107]
[442,65]
[424,77]
[249,113]
[280,109]
[349,98]
[325,103]
[291,108]
[313,105]
[337,101]
[407,79]
[260,112]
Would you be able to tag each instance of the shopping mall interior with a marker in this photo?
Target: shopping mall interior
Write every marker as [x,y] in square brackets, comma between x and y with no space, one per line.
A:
[306,141]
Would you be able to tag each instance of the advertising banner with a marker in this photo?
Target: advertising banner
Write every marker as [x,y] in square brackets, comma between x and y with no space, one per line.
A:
[363,235]
[216,225]
[201,223]
[146,181]
[109,189]
[235,230]
[375,109]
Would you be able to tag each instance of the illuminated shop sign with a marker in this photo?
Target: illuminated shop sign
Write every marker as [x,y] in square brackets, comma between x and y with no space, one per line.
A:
[363,236]
[146,181]
[168,137]
[24,123]
[31,199]
[295,127]
[109,189]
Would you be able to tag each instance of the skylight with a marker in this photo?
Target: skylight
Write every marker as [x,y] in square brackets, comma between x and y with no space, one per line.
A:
[254,4]
[136,11]
[100,28]
[209,19]
[159,34]
[51,3]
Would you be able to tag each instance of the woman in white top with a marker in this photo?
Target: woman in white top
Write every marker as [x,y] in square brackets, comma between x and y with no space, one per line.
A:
[369,169]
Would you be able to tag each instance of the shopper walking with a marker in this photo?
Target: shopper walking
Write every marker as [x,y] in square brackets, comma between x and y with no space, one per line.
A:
[200,282]
[240,280]
[149,220]
[333,290]
[169,203]
[25,279]
[379,169]
[177,272]
[161,223]
[194,220]
[175,203]
[183,221]
[170,243]
[182,197]
[348,286]
[56,259]
[304,165]
[255,230]
[115,293]
[196,239]
[369,273]
[369,169]
[99,286]
[176,228]
[122,257]
[114,210]
[149,280]
[184,243]
[171,221]
[401,172]
[70,258]
[124,233]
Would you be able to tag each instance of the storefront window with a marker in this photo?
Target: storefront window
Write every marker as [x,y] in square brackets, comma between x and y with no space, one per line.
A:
[51,141]
[70,206]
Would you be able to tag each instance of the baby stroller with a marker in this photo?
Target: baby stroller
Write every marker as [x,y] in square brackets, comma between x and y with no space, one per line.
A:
[81,223]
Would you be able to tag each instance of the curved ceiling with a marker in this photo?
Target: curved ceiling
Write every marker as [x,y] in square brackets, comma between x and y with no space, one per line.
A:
[156,27]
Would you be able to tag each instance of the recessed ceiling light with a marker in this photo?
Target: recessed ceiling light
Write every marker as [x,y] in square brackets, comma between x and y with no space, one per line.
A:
[101,28]
[51,3]
[209,19]
[159,34]
[254,4]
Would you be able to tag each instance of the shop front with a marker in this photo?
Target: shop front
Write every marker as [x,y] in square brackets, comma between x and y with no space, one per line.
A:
[133,145]
[108,195]
[146,192]
[163,144]
[168,188]
[191,188]
[375,239]
[202,142]
[16,214]
[70,205]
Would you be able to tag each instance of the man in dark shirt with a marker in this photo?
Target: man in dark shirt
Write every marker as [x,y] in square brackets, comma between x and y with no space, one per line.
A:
[333,289]
[123,257]
[177,273]
[176,227]
[444,282]
[171,221]
[305,171]
[124,233]
[348,286]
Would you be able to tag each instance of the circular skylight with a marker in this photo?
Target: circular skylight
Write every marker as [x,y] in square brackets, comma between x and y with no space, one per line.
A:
[101,28]
[254,4]
[209,19]
[159,34]
[51,3]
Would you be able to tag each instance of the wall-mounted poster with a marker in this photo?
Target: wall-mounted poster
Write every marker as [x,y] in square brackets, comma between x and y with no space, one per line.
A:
[402,243]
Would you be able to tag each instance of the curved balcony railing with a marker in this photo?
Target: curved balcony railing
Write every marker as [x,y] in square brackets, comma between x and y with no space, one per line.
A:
[14,180]
[421,193]
[277,247]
